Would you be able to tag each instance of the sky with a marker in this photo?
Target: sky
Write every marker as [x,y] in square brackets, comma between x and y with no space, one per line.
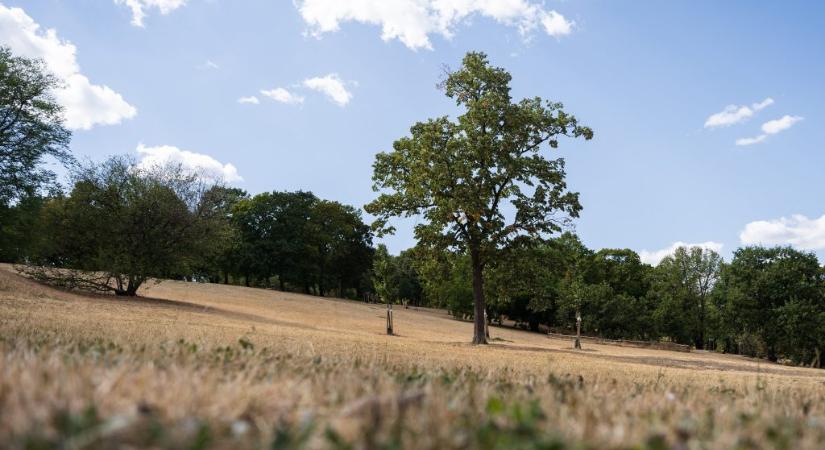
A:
[707,115]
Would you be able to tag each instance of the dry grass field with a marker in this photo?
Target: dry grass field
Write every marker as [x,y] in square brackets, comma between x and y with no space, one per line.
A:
[192,365]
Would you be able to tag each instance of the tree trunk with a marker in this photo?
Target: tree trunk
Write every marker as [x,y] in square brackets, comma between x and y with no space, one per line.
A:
[772,356]
[479,328]
[132,287]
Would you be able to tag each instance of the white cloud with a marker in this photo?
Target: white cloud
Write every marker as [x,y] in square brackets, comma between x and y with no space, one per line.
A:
[654,257]
[139,8]
[85,104]
[209,64]
[283,96]
[251,100]
[771,127]
[205,166]
[798,231]
[555,24]
[751,140]
[413,21]
[733,114]
[781,124]
[331,86]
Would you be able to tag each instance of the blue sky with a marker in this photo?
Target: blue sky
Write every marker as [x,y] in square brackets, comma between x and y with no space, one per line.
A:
[345,79]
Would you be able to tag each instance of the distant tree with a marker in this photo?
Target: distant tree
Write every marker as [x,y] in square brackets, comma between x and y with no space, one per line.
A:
[459,175]
[275,231]
[623,271]
[223,257]
[778,295]
[521,284]
[446,279]
[395,278]
[19,227]
[382,270]
[342,245]
[525,280]
[303,240]
[121,225]
[31,126]
[409,282]
[600,310]
[682,287]
[802,321]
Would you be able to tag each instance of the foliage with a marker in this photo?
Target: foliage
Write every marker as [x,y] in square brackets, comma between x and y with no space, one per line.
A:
[460,175]
[121,225]
[19,228]
[225,252]
[303,240]
[681,288]
[778,295]
[445,279]
[394,277]
[342,245]
[31,127]
[382,275]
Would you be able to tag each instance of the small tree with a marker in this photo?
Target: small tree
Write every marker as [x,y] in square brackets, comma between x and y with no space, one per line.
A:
[460,174]
[121,225]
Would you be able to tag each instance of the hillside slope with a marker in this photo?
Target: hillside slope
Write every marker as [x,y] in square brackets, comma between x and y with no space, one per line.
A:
[229,355]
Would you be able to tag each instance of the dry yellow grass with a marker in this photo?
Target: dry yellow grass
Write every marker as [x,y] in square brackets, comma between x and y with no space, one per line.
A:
[197,364]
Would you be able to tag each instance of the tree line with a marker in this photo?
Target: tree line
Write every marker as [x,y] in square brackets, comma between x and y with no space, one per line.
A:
[121,225]
[765,302]
[494,236]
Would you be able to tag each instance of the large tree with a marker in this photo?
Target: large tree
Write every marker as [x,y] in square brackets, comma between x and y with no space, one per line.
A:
[31,126]
[462,175]
[121,225]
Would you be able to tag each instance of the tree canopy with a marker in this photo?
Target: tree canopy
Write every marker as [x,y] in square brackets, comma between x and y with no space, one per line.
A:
[303,240]
[121,225]
[31,126]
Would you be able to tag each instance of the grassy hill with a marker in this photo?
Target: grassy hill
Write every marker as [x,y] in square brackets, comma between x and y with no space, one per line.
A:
[190,365]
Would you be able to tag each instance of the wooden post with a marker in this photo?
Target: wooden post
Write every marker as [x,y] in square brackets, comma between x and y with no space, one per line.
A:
[578,345]
[486,326]
[389,319]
